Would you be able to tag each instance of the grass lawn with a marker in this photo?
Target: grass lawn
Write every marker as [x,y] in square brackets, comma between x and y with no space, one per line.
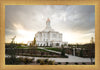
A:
[54,49]
[21,47]
[41,50]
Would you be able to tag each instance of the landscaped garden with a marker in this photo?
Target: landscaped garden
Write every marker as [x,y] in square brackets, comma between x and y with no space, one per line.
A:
[55,49]
[41,52]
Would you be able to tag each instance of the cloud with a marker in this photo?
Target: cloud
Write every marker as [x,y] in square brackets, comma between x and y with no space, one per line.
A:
[64,18]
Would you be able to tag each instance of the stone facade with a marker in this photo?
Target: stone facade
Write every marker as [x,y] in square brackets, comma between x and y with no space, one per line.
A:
[48,37]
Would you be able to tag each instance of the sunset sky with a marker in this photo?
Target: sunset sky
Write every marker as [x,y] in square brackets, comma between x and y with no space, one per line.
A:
[75,22]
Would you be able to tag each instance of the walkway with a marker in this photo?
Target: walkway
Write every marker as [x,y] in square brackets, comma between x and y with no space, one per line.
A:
[70,58]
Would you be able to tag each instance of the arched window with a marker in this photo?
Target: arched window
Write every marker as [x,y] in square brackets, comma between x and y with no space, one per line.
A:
[44,45]
[57,44]
[40,44]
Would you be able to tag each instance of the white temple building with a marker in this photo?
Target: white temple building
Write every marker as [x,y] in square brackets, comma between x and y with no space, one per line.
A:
[49,37]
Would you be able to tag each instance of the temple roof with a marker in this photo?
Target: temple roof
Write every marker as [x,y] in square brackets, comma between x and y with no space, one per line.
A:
[48,27]
[48,19]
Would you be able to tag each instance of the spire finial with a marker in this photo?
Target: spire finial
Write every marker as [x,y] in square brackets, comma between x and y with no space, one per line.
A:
[48,23]
[48,20]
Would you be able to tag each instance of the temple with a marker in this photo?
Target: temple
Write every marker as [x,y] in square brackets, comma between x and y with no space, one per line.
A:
[48,37]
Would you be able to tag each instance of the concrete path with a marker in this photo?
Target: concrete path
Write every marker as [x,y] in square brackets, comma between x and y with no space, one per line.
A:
[70,58]
[49,50]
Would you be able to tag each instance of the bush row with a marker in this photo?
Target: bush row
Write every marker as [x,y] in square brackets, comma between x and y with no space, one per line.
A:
[45,62]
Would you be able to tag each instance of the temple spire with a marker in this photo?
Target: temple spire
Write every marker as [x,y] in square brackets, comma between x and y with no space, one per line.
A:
[48,20]
[48,23]
[48,26]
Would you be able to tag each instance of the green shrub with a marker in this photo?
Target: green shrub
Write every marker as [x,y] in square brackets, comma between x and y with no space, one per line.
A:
[30,60]
[59,62]
[42,62]
[81,53]
[63,52]
[46,61]
[26,61]
[8,61]
[66,56]
[67,63]
[42,53]
[93,62]
[21,59]
[38,60]
[51,62]
[83,63]
[18,61]
[76,63]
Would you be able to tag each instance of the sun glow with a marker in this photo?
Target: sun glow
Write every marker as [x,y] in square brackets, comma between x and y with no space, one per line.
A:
[23,35]
[72,37]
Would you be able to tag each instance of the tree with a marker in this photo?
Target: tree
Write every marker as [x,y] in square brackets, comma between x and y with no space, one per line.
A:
[81,53]
[91,50]
[91,55]
[12,51]
[63,51]
[77,45]
[34,42]
[13,39]
[33,46]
